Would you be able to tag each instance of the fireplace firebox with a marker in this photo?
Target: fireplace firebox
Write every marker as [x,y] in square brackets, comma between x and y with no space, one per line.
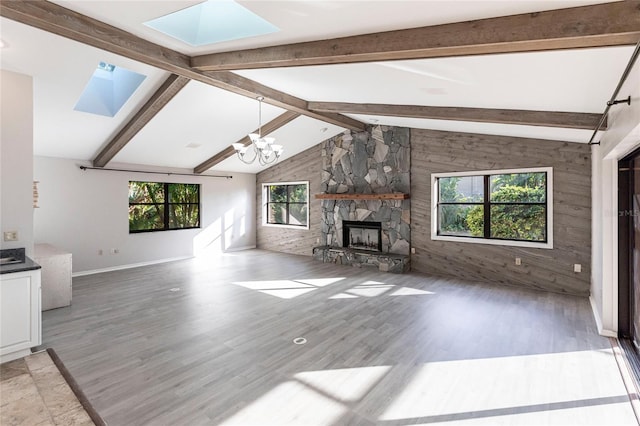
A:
[362,235]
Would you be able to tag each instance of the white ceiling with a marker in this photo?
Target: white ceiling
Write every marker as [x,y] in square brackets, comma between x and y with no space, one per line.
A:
[211,119]
[306,20]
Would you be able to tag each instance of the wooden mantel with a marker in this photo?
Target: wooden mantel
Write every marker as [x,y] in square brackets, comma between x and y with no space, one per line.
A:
[386,196]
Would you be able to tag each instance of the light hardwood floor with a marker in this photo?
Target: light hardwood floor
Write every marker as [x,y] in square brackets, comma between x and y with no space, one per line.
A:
[209,341]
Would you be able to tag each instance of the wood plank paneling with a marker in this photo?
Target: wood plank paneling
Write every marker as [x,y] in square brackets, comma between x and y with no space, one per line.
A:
[552,270]
[439,152]
[306,166]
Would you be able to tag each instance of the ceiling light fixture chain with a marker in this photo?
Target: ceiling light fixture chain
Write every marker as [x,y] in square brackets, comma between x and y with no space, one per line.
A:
[264,149]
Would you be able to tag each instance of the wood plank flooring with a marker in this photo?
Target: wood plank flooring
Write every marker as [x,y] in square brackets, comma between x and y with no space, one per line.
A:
[209,341]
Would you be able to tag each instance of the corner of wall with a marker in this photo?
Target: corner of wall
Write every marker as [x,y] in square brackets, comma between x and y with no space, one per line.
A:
[596,315]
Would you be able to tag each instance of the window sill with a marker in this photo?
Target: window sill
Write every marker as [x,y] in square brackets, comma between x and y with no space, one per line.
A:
[274,225]
[507,243]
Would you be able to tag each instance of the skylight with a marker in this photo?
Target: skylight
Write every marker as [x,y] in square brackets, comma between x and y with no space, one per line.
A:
[212,22]
[109,88]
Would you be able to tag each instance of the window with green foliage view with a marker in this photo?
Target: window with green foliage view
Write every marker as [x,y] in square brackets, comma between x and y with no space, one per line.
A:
[286,204]
[155,206]
[503,206]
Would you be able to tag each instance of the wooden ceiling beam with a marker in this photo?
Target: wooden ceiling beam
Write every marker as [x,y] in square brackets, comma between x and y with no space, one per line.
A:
[266,129]
[609,24]
[569,120]
[58,20]
[158,100]
[241,85]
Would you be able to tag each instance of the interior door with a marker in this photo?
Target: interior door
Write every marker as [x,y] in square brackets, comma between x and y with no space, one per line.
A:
[629,250]
[634,213]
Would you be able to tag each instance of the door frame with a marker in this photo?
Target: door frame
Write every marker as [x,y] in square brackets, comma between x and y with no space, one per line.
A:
[626,243]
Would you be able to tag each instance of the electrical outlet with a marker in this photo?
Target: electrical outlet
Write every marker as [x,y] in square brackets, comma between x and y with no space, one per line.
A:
[518,261]
[413,250]
[577,267]
[11,236]
[317,240]
[114,251]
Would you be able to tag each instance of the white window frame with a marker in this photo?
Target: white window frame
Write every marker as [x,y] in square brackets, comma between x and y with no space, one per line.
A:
[477,240]
[264,205]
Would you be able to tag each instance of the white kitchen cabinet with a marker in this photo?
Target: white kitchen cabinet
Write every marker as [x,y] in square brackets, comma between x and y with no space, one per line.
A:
[20,316]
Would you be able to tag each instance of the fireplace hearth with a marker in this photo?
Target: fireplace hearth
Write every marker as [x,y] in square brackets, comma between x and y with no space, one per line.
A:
[362,235]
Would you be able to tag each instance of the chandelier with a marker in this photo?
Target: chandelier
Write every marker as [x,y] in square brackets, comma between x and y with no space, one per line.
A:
[262,149]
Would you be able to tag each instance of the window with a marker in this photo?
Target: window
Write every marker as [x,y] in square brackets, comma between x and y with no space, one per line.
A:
[155,206]
[507,207]
[286,204]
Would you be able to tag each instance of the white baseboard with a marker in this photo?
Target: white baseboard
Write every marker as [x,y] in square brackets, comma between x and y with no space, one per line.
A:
[239,248]
[596,315]
[128,266]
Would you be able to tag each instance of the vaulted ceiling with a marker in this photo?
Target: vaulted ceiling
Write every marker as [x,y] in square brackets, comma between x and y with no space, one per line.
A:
[528,68]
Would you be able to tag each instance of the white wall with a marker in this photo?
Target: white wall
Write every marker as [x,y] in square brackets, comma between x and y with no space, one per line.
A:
[16,159]
[622,137]
[87,211]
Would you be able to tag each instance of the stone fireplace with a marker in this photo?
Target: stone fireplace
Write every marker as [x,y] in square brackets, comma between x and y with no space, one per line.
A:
[366,180]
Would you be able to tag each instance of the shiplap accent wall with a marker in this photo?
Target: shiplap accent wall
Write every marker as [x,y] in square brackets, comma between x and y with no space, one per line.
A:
[547,269]
[306,166]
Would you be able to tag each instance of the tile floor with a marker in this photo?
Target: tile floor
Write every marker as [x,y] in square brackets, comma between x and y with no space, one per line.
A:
[33,392]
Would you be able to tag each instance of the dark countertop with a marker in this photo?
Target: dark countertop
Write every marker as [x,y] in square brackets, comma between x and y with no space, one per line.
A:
[27,265]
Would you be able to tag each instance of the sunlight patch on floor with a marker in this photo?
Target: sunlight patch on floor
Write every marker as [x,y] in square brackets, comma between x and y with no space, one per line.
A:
[289,403]
[272,285]
[370,291]
[343,296]
[408,291]
[284,289]
[320,282]
[377,288]
[288,293]
[595,415]
[311,397]
[288,289]
[345,384]
[516,386]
